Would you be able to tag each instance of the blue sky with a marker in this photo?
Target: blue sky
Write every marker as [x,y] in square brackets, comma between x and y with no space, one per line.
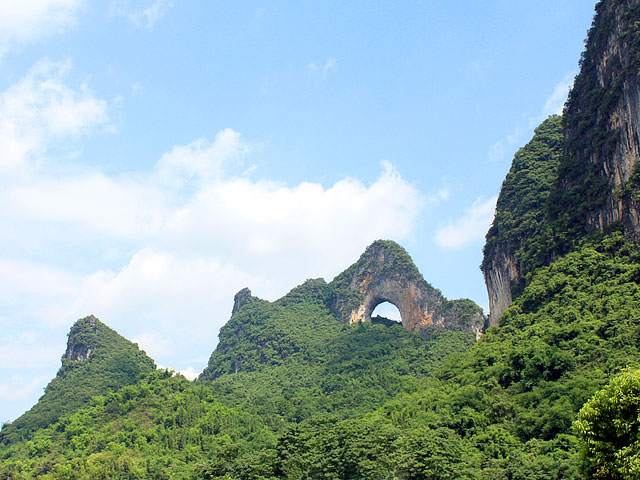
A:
[157,156]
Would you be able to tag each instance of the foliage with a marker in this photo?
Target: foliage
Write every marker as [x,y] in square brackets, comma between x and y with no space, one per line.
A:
[609,427]
[162,427]
[372,400]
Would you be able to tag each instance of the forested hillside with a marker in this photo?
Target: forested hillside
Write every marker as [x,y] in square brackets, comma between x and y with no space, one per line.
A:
[97,360]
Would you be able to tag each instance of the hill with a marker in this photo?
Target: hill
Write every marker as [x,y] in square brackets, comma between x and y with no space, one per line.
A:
[97,360]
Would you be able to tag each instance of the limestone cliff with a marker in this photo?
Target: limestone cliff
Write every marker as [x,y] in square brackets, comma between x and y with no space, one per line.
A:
[598,185]
[80,343]
[386,273]
[520,239]
[589,182]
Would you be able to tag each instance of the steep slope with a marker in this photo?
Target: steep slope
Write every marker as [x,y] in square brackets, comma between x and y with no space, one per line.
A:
[520,239]
[505,408]
[97,359]
[598,185]
[584,185]
[277,364]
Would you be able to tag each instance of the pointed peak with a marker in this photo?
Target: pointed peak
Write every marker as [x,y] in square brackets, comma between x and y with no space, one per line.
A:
[389,257]
[241,298]
[82,339]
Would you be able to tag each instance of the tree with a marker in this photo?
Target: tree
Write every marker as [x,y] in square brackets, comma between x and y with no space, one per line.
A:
[609,427]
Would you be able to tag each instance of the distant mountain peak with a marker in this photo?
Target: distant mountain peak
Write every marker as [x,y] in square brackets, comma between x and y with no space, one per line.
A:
[82,339]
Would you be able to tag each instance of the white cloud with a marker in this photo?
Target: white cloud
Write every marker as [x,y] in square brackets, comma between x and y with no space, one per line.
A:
[195,255]
[18,388]
[329,65]
[25,21]
[505,148]
[30,349]
[40,109]
[141,13]
[158,262]
[189,372]
[190,252]
[469,228]
[555,102]
[201,158]
[154,345]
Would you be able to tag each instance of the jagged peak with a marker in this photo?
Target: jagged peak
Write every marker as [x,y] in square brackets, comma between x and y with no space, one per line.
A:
[241,298]
[82,339]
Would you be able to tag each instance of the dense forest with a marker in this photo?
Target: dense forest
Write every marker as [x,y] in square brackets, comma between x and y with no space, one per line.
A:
[294,390]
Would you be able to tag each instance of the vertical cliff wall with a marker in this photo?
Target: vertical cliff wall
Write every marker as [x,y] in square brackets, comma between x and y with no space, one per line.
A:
[520,238]
[598,181]
[560,189]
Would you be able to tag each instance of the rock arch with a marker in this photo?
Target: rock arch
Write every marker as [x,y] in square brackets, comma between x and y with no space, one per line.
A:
[386,273]
[407,297]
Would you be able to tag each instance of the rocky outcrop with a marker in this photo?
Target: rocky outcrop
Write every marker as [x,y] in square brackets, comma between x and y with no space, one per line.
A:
[240,299]
[386,273]
[500,274]
[602,119]
[80,344]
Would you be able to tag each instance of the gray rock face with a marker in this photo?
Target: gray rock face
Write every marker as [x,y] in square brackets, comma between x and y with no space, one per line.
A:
[78,349]
[602,117]
[597,181]
[499,276]
[386,273]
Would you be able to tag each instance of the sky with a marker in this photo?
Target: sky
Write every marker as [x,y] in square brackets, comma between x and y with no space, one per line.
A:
[157,156]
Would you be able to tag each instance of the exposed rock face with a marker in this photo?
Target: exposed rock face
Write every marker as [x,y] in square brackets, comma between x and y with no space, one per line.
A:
[602,119]
[499,276]
[597,179]
[520,238]
[78,349]
[242,297]
[386,273]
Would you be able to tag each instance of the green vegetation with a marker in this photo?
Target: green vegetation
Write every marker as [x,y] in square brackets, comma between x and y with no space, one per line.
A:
[113,362]
[161,427]
[522,221]
[294,392]
[227,422]
[505,408]
[373,401]
[609,426]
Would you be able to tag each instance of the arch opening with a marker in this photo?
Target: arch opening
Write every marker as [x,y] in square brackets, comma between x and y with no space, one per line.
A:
[387,313]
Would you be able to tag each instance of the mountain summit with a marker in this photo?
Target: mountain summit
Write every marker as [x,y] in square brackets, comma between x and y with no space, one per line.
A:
[97,360]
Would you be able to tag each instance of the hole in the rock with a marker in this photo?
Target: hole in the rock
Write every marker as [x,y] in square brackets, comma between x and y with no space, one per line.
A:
[386,313]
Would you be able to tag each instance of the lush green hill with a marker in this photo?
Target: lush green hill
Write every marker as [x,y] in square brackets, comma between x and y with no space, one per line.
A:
[295,361]
[522,223]
[97,360]
[361,401]
[504,409]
